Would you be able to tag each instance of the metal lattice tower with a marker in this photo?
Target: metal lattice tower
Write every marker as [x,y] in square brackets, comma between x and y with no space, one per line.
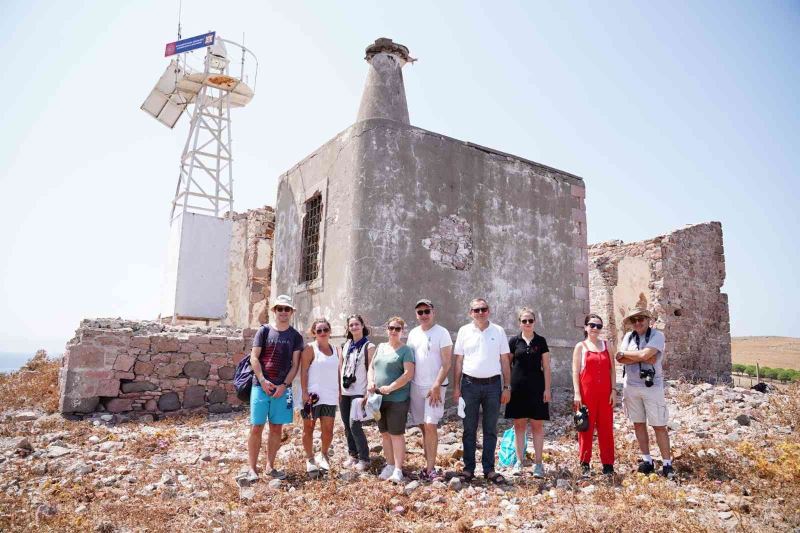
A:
[205,182]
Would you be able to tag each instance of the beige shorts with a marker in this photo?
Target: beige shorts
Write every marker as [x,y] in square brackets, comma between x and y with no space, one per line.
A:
[646,404]
[420,410]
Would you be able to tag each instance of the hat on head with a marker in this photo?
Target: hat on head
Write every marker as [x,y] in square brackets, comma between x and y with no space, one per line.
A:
[635,311]
[283,300]
[423,301]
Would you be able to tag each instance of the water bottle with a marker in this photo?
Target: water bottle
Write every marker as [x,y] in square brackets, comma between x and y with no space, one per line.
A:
[289,403]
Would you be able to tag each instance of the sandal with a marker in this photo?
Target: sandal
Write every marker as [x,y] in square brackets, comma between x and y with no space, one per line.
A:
[465,476]
[496,478]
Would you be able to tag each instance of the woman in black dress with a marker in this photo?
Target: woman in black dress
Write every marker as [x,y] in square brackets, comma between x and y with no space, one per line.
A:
[530,389]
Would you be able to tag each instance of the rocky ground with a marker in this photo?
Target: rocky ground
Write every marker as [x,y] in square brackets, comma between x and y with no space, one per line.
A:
[737,455]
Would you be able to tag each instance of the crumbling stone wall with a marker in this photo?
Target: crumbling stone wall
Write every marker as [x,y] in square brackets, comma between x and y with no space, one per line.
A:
[148,368]
[678,277]
[250,267]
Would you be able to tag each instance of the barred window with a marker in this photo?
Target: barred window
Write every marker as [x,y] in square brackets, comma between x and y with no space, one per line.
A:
[309,270]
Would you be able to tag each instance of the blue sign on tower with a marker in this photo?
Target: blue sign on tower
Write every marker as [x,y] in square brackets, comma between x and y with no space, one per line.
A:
[191,43]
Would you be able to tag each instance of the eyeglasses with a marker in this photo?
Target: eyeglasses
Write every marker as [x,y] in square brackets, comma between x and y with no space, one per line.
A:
[593,325]
[527,321]
[421,312]
[282,309]
[394,328]
[480,310]
[638,319]
[323,330]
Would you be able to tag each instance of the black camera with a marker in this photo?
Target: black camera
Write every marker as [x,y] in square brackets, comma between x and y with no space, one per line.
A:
[647,375]
[348,380]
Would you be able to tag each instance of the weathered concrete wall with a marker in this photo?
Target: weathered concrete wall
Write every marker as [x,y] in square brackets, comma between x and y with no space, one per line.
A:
[250,267]
[410,213]
[677,276]
[147,368]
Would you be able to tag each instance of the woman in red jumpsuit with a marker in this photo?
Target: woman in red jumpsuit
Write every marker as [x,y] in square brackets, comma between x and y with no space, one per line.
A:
[594,378]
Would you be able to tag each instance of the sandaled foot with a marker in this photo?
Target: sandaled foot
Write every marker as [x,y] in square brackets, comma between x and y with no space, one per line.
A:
[465,476]
[496,478]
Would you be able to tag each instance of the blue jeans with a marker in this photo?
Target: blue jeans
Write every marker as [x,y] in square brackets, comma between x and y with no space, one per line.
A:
[486,397]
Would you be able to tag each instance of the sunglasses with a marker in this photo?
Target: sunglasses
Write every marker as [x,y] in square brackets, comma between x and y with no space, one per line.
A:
[527,321]
[480,310]
[394,328]
[638,319]
[593,325]
[282,309]
[323,330]
[421,312]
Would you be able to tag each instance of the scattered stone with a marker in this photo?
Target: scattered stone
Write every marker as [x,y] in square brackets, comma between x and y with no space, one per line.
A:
[79,468]
[15,443]
[26,416]
[348,475]
[46,510]
[411,487]
[274,484]
[110,446]
[247,493]
[563,484]
[743,420]
[110,418]
[725,515]
[454,484]
[94,439]
[54,452]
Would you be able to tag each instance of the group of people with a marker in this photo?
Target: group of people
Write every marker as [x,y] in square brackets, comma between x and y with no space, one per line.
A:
[404,383]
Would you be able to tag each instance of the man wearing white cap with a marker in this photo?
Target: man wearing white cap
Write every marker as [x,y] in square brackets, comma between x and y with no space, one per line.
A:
[275,359]
[432,347]
[642,353]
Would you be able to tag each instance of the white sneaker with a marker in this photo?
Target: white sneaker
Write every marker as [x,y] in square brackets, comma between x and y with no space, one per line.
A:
[516,470]
[349,462]
[311,466]
[322,462]
[361,466]
[251,476]
[386,473]
[397,476]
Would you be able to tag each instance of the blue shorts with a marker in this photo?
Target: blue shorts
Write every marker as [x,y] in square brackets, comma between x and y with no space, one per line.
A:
[264,407]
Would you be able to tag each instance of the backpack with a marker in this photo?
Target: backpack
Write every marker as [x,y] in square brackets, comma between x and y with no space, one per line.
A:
[243,377]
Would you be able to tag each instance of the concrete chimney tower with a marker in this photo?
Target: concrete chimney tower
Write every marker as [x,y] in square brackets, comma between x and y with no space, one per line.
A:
[384,94]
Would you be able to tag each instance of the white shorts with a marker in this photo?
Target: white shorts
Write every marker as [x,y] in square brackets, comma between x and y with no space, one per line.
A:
[646,404]
[420,410]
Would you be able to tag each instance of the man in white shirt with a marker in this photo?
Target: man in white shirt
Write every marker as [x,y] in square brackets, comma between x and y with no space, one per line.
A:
[432,347]
[481,355]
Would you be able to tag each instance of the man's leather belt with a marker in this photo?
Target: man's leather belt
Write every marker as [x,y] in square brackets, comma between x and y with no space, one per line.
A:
[483,381]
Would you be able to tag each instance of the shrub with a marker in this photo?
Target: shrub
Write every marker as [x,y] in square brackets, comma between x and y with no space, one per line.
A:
[770,373]
[739,368]
[750,370]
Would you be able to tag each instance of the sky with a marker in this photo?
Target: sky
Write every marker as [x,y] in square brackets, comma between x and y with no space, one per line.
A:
[673,113]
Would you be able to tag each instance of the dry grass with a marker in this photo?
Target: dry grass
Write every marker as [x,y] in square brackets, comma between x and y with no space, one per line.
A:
[772,352]
[34,386]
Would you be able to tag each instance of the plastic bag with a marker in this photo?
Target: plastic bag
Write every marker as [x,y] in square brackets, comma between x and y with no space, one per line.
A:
[507,456]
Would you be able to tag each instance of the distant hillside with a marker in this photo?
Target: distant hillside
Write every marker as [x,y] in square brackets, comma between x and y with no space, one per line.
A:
[774,352]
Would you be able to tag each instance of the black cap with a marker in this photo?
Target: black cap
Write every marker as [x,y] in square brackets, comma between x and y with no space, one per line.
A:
[423,301]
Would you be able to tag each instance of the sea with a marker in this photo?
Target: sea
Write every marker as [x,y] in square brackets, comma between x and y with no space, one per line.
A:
[11,361]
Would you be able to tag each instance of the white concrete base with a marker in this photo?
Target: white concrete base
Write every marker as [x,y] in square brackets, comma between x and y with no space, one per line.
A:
[196,275]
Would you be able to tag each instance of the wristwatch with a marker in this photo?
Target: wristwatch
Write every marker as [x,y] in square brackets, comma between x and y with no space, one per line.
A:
[506,387]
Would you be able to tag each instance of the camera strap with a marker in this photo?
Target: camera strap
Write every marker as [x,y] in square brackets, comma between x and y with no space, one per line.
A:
[635,335]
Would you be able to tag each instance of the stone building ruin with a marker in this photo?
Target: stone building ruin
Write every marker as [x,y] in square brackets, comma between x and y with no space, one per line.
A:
[678,277]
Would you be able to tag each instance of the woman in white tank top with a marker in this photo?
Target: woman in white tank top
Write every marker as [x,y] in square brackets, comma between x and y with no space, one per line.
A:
[319,379]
